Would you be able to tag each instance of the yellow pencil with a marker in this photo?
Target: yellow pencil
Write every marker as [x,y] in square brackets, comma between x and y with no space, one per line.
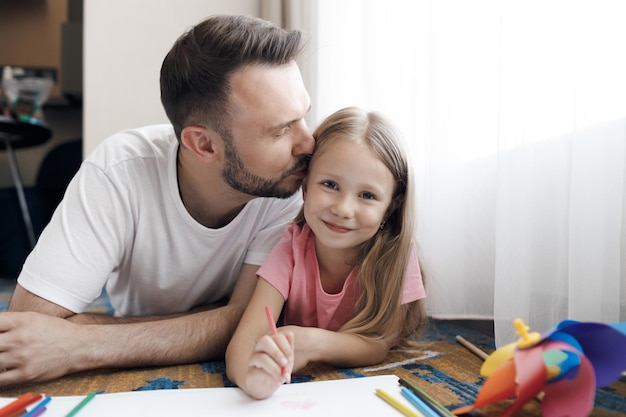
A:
[408,412]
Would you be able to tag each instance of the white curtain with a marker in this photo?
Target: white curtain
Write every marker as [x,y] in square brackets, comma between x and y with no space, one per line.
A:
[515,114]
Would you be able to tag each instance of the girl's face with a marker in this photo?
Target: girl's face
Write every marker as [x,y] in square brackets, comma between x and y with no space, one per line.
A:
[346,194]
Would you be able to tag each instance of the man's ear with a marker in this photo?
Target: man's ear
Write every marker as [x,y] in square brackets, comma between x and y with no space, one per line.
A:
[201,141]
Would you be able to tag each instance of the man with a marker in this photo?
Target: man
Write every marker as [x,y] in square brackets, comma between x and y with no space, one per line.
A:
[173,220]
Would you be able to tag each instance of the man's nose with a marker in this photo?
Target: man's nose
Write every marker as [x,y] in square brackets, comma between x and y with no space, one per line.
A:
[304,142]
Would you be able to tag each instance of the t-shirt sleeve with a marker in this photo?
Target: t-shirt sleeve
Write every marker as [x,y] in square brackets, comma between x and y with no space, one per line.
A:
[81,245]
[413,284]
[278,214]
[279,265]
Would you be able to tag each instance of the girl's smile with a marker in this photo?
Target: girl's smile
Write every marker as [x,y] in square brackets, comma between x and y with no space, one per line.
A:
[336,228]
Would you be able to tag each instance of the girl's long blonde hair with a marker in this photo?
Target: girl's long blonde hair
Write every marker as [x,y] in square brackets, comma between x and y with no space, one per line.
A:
[381,260]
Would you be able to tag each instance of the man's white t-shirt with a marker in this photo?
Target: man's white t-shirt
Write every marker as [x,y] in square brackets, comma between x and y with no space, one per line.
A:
[123,225]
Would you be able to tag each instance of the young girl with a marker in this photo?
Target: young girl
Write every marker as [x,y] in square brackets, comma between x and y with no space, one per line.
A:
[346,275]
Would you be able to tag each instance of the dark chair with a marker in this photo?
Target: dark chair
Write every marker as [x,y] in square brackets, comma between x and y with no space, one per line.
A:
[56,170]
[15,134]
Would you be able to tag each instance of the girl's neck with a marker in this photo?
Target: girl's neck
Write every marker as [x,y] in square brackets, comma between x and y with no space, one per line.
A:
[334,267]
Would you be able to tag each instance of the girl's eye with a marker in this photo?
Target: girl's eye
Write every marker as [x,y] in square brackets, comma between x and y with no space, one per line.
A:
[330,184]
[368,196]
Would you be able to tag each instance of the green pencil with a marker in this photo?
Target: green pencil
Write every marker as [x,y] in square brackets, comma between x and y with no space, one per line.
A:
[81,404]
[438,408]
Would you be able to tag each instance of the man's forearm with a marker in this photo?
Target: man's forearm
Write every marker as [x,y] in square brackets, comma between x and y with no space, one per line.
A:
[39,347]
[40,340]
[99,318]
[158,340]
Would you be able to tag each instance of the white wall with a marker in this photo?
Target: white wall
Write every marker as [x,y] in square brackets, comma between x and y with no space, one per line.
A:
[124,45]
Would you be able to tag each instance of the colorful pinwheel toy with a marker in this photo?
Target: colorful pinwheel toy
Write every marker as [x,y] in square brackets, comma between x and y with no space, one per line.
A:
[564,366]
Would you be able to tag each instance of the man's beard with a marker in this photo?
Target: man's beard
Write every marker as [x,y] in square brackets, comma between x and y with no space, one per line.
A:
[240,179]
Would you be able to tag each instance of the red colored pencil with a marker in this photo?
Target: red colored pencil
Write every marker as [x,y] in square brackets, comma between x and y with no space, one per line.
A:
[273,330]
[19,404]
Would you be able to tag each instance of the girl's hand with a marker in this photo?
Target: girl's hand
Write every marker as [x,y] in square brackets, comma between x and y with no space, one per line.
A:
[306,340]
[270,365]
[340,349]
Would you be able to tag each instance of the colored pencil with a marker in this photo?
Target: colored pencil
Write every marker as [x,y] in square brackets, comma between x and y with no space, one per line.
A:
[39,412]
[273,330]
[19,413]
[36,410]
[432,403]
[418,403]
[81,404]
[270,320]
[397,404]
[19,404]
[472,348]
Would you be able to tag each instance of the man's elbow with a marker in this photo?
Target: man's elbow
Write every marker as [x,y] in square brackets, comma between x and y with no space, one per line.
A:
[25,301]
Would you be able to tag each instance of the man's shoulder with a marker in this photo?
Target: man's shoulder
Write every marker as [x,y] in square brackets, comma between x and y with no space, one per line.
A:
[146,134]
[143,142]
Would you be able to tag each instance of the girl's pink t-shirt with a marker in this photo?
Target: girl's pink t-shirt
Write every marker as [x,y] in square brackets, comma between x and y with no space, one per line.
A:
[292,269]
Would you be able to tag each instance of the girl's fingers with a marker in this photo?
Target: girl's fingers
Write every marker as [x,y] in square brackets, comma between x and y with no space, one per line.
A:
[263,362]
[269,356]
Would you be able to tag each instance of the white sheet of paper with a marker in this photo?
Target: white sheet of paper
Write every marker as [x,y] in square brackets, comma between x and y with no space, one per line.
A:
[344,397]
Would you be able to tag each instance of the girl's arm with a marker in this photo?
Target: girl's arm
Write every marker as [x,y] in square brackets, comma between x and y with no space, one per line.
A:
[255,360]
[343,350]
